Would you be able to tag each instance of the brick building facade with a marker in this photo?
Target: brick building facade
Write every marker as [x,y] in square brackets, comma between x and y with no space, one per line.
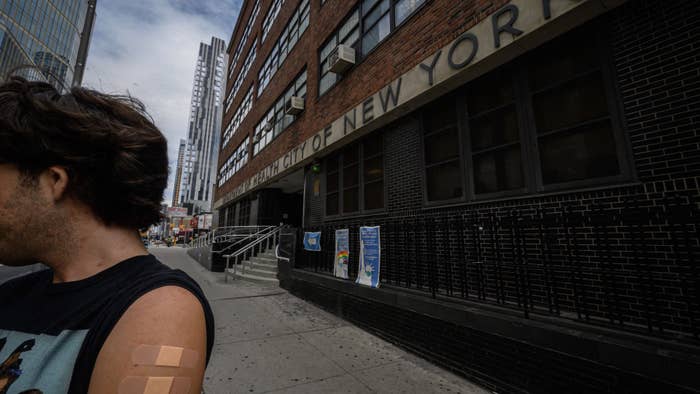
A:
[533,167]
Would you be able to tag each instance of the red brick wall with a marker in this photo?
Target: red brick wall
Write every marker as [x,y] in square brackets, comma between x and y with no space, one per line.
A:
[432,27]
[246,10]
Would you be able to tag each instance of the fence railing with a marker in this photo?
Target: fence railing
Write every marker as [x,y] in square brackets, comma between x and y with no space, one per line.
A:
[615,263]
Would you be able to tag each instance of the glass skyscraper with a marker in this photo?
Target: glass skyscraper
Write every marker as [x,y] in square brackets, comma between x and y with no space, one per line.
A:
[202,151]
[178,172]
[51,35]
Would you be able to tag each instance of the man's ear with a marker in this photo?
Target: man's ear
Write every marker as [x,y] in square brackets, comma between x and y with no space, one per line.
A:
[55,181]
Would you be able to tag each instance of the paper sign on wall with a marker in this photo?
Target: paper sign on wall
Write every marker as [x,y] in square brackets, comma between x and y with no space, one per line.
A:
[342,253]
[368,273]
[312,241]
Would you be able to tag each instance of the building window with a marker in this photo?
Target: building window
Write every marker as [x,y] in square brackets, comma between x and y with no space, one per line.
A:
[295,27]
[355,178]
[332,186]
[404,8]
[496,152]
[373,173]
[351,179]
[348,34]
[230,215]
[241,76]
[364,28]
[270,17]
[572,116]
[234,163]
[222,217]
[376,23]
[443,169]
[244,38]
[238,116]
[229,100]
[276,120]
[226,217]
[544,122]
[244,212]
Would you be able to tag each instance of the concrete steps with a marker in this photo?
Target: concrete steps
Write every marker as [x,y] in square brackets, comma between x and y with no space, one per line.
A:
[260,269]
[260,280]
[263,260]
[262,266]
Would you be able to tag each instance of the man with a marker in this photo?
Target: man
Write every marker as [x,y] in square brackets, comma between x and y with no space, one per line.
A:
[80,173]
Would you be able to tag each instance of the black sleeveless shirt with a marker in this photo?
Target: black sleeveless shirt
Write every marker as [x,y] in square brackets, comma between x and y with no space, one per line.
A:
[51,333]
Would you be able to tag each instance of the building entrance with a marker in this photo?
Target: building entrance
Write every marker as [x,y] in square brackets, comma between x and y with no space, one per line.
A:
[282,201]
[276,206]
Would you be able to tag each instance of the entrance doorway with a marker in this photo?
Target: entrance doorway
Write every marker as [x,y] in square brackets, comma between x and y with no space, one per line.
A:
[282,201]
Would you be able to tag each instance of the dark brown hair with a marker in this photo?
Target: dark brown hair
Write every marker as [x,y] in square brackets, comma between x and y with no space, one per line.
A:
[115,156]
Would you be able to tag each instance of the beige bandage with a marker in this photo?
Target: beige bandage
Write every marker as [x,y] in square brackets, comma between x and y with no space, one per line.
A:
[154,385]
[165,356]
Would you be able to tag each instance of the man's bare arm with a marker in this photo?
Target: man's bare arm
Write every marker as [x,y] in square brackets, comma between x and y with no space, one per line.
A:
[168,316]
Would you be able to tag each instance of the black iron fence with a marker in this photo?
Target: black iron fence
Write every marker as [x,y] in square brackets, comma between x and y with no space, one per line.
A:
[629,264]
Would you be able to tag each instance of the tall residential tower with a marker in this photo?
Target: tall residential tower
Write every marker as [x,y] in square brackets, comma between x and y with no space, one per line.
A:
[201,154]
[178,172]
[53,36]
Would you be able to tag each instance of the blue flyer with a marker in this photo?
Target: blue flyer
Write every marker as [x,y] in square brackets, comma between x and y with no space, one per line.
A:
[368,272]
[312,241]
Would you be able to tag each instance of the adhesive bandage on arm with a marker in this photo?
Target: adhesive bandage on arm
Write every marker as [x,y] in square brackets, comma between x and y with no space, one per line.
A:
[165,356]
[154,385]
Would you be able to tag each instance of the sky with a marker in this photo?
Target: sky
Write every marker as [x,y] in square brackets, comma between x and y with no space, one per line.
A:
[148,48]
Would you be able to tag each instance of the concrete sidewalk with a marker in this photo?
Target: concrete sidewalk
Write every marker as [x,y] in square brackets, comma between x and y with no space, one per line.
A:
[268,341]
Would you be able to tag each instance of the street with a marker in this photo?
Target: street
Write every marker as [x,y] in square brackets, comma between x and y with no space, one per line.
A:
[270,341]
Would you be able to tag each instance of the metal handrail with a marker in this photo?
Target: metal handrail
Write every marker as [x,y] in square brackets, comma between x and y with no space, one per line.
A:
[246,237]
[228,232]
[277,254]
[274,234]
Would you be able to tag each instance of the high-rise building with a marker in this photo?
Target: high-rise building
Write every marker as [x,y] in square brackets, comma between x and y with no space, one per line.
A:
[53,36]
[51,66]
[178,172]
[201,153]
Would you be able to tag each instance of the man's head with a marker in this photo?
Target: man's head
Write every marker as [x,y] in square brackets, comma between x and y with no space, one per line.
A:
[63,156]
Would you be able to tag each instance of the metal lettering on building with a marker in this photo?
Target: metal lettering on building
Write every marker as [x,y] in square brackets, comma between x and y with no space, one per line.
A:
[446,68]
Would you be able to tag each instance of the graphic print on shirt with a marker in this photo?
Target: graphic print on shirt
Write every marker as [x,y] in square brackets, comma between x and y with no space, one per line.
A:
[38,363]
[10,369]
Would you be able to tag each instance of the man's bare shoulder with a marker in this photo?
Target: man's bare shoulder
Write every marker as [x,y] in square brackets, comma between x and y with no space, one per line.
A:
[174,303]
[168,316]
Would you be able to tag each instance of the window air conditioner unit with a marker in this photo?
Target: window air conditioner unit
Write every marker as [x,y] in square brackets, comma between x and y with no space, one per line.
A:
[294,106]
[267,127]
[341,59]
[258,136]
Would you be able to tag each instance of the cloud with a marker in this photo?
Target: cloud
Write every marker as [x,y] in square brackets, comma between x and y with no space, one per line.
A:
[149,49]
